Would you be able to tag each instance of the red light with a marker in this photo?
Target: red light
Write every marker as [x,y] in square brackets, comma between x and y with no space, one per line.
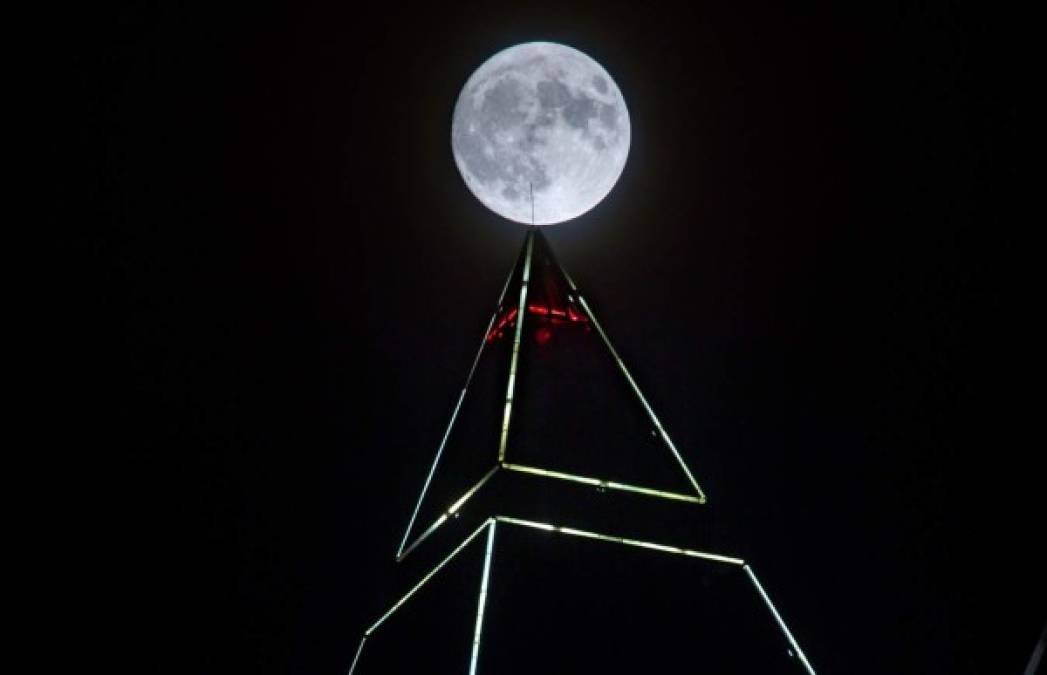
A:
[496,330]
[543,335]
[556,316]
[570,313]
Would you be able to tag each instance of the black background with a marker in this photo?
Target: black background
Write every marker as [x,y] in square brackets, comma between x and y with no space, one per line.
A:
[807,262]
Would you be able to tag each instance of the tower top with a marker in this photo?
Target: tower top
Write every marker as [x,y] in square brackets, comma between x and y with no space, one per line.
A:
[548,408]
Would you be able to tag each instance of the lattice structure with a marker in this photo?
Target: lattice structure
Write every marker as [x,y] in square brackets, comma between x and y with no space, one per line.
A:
[523,413]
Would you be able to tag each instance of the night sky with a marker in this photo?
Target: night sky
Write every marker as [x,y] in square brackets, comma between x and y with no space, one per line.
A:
[807,262]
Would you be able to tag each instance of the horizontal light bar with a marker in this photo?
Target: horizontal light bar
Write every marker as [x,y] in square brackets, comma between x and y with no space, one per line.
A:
[596,482]
[676,550]
[426,578]
[449,512]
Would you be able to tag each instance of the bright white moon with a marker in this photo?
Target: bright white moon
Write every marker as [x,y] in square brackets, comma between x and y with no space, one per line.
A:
[544,116]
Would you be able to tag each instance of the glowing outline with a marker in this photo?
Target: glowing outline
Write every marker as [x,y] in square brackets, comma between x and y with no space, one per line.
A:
[482,600]
[356,659]
[457,407]
[778,618]
[628,376]
[520,313]
[527,253]
[600,483]
[492,522]
[452,510]
[691,553]
[626,541]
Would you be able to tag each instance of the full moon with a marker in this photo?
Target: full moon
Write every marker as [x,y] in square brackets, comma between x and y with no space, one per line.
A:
[544,119]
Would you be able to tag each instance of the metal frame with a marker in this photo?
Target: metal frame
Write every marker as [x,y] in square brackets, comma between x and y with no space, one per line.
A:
[625,541]
[526,252]
[778,617]
[597,483]
[521,313]
[454,415]
[600,483]
[491,524]
[481,602]
[632,383]
[454,508]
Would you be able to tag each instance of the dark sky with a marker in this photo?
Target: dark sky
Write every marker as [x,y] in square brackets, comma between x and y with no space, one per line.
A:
[807,260]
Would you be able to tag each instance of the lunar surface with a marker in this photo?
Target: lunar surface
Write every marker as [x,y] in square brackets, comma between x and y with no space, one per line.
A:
[544,117]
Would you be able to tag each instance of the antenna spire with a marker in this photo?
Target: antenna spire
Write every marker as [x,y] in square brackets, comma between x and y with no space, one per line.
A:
[532,203]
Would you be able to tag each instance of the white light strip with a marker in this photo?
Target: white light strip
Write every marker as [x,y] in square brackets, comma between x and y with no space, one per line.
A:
[356,658]
[426,578]
[482,602]
[454,415]
[520,314]
[690,553]
[449,512]
[436,461]
[505,287]
[1037,654]
[566,276]
[636,388]
[639,394]
[596,482]
[778,618]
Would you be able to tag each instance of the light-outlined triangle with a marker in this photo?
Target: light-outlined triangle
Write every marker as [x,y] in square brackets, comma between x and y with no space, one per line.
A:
[548,396]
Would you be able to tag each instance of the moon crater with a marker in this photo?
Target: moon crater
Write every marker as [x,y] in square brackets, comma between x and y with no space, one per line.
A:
[540,117]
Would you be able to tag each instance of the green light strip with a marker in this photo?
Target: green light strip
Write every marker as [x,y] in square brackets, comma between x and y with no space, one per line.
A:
[426,578]
[596,482]
[482,601]
[457,407]
[520,314]
[676,550]
[356,658]
[639,394]
[449,512]
[778,618]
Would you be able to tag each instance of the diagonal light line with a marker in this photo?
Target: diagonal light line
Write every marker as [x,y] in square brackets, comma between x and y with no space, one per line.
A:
[639,394]
[521,313]
[453,509]
[1037,653]
[457,407]
[632,382]
[426,578]
[676,550]
[778,618]
[356,658]
[439,454]
[482,601]
[596,482]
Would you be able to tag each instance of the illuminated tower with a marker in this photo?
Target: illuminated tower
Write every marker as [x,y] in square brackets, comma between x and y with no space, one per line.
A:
[556,531]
